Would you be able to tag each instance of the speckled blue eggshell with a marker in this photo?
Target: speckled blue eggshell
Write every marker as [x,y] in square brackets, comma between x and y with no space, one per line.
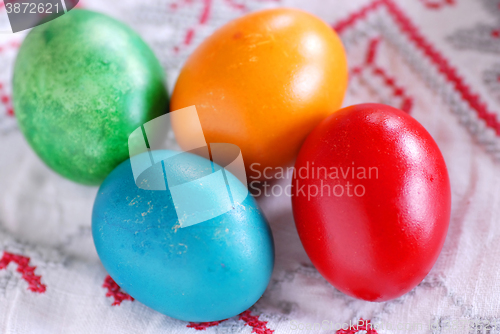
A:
[205,272]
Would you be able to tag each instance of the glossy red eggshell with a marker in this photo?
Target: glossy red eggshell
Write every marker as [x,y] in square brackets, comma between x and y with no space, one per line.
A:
[380,245]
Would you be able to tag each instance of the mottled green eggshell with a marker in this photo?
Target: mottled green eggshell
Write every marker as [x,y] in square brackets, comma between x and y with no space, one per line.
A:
[82,83]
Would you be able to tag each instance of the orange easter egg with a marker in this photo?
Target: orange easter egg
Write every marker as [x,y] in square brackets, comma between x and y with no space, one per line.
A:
[263,82]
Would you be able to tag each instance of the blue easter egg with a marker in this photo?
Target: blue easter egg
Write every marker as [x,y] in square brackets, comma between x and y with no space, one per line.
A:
[208,271]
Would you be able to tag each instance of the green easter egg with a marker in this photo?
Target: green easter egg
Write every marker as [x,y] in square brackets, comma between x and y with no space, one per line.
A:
[82,83]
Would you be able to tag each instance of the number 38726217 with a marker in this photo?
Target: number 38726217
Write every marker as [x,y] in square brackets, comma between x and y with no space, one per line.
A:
[32,8]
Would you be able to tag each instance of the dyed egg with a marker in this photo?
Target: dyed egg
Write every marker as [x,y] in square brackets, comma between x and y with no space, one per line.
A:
[371,201]
[209,271]
[82,83]
[263,82]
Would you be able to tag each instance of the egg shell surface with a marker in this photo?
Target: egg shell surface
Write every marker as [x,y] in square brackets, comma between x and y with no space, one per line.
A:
[82,83]
[205,272]
[371,201]
[263,82]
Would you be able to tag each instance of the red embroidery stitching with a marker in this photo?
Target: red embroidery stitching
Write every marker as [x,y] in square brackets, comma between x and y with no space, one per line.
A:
[204,325]
[242,6]
[361,14]
[259,326]
[189,36]
[235,5]
[437,59]
[114,290]
[438,4]
[6,101]
[205,14]
[445,68]
[353,329]
[372,50]
[176,5]
[27,271]
[397,91]
[4,98]
[11,44]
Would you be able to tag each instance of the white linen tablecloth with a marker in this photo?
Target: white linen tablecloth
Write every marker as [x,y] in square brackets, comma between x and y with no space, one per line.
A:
[439,60]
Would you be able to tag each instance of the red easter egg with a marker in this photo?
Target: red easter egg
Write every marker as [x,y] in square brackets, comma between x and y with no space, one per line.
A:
[371,201]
